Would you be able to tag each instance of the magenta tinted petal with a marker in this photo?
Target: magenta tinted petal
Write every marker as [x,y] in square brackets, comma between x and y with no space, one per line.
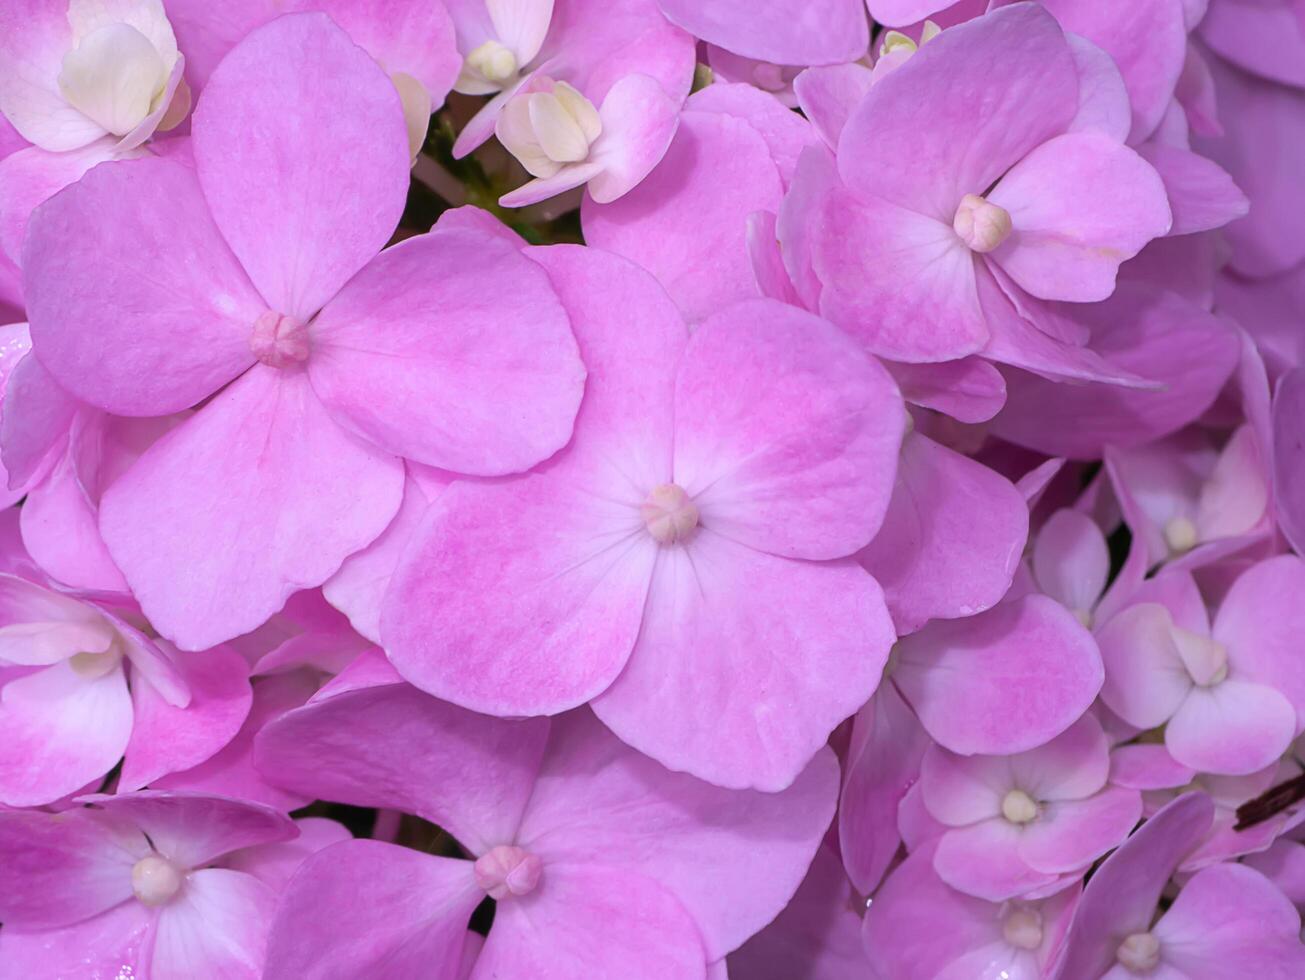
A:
[194,306]
[1201,194]
[1071,834]
[362,907]
[951,538]
[110,942]
[265,470]
[426,355]
[1260,624]
[786,434]
[216,927]
[470,773]
[1288,455]
[733,640]
[790,32]
[1003,681]
[1234,727]
[983,860]
[267,134]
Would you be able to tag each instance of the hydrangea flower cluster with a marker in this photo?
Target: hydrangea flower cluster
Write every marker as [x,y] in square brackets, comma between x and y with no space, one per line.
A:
[652,489]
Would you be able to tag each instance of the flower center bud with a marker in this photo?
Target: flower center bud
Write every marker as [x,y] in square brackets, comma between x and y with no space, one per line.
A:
[550,128]
[1023,928]
[1180,535]
[1140,952]
[1018,807]
[981,224]
[155,879]
[279,340]
[493,61]
[1205,659]
[506,871]
[669,514]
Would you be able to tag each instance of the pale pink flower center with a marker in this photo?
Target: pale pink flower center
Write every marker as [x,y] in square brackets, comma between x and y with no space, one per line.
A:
[506,871]
[669,514]
[1022,928]
[1181,535]
[1205,659]
[279,340]
[981,224]
[1140,952]
[155,880]
[1018,807]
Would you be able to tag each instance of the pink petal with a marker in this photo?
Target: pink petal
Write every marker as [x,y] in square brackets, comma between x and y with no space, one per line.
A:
[904,13]
[62,868]
[34,37]
[110,943]
[1201,194]
[597,922]
[984,860]
[35,422]
[639,122]
[470,773]
[786,434]
[1072,766]
[59,730]
[997,88]
[1284,865]
[264,470]
[1230,922]
[716,172]
[1288,456]
[1102,98]
[1069,835]
[791,32]
[1147,766]
[1147,40]
[546,603]
[193,307]
[1261,622]
[358,588]
[951,539]
[817,937]
[275,864]
[900,282]
[882,763]
[1146,681]
[1148,332]
[168,739]
[732,859]
[1081,204]
[426,355]
[1003,681]
[1234,727]
[961,790]
[216,927]
[733,640]
[192,829]
[829,96]
[969,390]
[267,134]
[785,132]
[1121,896]
[231,770]
[1267,39]
[1071,560]
[366,908]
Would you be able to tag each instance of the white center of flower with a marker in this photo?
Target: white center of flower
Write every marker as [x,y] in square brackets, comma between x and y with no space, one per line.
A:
[1180,535]
[506,871]
[114,76]
[493,61]
[1018,807]
[981,224]
[155,879]
[93,665]
[669,514]
[1206,660]
[548,129]
[1140,952]
[1022,928]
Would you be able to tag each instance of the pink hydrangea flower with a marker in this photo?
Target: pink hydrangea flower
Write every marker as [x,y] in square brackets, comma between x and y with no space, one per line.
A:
[140,885]
[326,369]
[1228,694]
[669,565]
[598,858]
[1029,823]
